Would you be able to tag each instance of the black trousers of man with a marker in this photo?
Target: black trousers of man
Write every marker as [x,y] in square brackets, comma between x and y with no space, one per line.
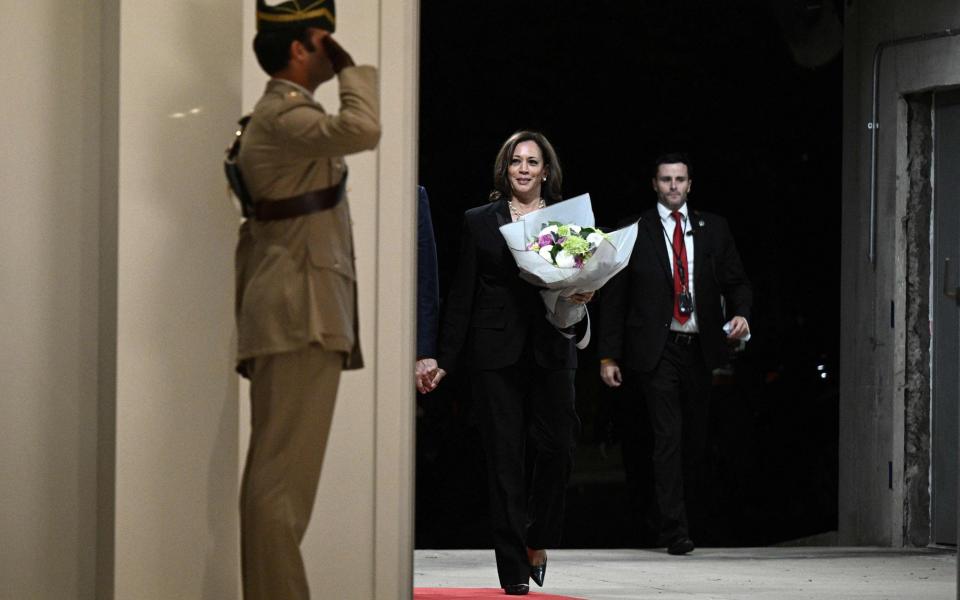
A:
[632,426]
[677,394]
[514,403]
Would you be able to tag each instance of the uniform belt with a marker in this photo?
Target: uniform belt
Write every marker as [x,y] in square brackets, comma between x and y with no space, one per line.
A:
[297,206]
[682,339]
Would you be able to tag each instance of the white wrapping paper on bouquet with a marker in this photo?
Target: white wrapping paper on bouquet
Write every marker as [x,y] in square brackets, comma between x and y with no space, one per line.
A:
[608,259]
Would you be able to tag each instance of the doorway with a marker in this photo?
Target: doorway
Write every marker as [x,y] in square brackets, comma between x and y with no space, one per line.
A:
[774,437]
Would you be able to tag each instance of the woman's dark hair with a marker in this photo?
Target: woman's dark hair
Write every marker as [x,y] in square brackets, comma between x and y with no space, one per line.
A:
[549,189]
[273,47]
[672,158]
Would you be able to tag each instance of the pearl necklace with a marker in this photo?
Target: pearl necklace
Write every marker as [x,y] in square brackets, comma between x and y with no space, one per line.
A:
[517,214]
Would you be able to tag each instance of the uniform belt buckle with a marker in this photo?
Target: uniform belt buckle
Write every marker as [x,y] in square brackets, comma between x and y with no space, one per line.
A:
[683,339]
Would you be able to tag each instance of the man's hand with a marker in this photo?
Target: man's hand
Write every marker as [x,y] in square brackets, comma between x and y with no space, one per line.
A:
[610,373]
[580,298]
[337,55]
[739,328]
[428,374]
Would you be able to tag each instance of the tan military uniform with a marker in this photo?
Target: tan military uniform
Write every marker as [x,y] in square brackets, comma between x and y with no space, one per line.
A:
[295,277]
[296,315]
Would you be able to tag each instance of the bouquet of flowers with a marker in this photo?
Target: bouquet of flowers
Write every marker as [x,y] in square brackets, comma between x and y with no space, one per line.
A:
[566,245]
[560,249]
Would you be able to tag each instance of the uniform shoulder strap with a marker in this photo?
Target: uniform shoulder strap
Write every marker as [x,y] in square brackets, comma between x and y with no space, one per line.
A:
[232,170]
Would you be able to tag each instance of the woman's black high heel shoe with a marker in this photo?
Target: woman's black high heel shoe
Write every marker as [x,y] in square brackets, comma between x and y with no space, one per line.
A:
[538,572]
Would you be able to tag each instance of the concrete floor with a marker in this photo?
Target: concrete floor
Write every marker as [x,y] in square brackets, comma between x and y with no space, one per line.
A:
[779,573]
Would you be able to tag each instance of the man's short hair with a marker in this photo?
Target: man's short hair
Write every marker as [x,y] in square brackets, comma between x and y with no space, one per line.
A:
[672,158]
[272,47]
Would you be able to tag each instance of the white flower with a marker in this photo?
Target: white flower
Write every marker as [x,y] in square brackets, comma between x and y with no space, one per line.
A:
[594,239]
[545,253]
[565,260]
[546,230]
[575,228]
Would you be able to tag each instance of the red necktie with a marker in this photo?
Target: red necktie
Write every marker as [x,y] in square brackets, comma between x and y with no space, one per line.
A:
[680,273]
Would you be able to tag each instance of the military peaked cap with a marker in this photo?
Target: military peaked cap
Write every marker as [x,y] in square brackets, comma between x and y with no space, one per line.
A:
[296,13]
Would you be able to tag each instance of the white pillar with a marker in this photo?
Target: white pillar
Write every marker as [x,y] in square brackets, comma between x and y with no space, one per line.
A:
[174,93]
[49,196]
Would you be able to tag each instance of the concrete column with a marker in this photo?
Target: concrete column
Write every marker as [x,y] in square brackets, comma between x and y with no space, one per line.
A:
[875,373]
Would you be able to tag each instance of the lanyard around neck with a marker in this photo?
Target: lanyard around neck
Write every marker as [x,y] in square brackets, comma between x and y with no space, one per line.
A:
[683,243]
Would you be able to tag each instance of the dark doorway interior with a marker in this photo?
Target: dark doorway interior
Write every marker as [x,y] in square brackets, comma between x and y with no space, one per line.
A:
[613,84]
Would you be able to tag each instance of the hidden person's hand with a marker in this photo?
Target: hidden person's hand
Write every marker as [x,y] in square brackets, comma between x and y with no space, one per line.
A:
[438,374]
[424,371]
[428,374]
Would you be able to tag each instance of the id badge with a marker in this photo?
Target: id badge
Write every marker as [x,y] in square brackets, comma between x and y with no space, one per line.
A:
[685,303]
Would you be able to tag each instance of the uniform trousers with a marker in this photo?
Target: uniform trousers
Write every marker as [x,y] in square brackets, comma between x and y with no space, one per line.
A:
[292,399]
[515,403]
[677,393]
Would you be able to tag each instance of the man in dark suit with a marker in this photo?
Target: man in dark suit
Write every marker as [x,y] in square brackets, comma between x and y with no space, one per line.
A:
[663,328]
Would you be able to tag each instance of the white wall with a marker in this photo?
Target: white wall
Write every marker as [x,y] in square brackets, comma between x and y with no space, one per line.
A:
[49,161]
[176,395]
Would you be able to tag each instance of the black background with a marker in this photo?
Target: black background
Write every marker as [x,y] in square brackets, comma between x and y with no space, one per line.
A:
[613,84]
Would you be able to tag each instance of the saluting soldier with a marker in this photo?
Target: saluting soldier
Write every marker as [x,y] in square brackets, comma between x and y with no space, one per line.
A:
[296,284]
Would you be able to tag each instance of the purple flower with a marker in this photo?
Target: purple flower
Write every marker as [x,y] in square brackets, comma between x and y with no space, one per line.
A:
[578,261]
[545,240]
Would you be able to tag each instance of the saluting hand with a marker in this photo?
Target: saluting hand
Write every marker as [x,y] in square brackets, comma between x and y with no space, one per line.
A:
[337,55]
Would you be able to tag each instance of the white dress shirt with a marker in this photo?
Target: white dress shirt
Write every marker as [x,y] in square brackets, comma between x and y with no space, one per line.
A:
[668,225]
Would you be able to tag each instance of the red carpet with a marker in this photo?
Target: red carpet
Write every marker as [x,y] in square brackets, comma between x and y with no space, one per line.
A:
[470,593]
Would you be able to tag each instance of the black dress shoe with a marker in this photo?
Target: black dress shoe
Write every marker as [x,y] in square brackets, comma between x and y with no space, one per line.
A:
[679,546]
[538,572]
[516,589]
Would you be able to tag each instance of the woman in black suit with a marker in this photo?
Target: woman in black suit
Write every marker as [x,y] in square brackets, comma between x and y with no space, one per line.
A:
[522,368]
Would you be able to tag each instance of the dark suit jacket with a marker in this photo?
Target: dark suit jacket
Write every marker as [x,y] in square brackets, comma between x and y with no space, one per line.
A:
[638,303]
[428,293]
[490,313]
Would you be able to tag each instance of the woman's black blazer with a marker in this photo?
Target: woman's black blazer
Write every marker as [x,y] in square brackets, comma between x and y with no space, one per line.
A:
[492,316]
